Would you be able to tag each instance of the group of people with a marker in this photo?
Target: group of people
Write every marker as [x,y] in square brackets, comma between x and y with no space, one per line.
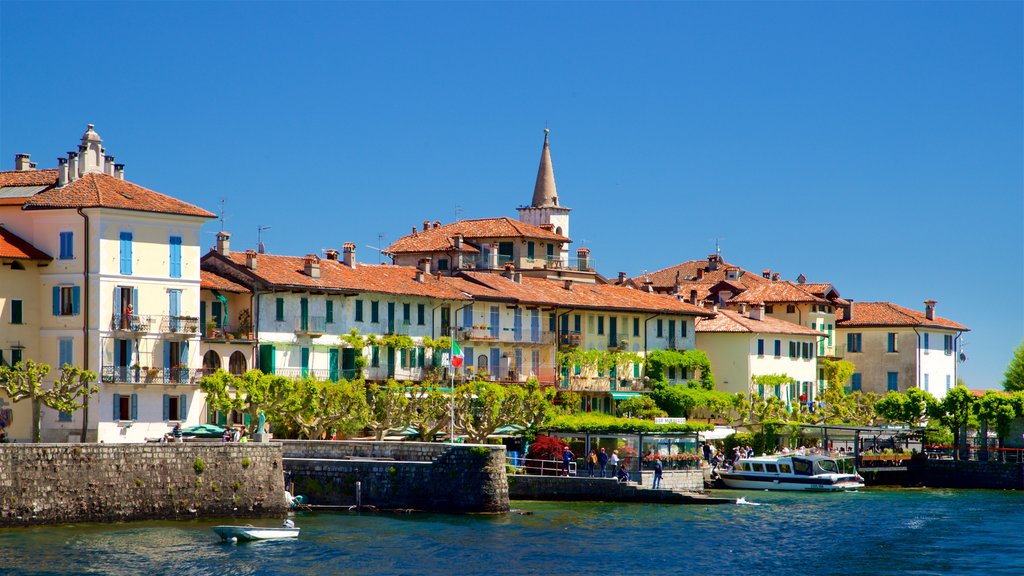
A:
[174,435]
[235,435]
[597,463]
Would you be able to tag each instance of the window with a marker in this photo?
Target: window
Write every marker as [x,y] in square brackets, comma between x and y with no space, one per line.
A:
[890,342]
[658,328]
[374,311]
[529,250]
[374,356]
[175,407]
[65,352]
[925,343]
[853,342]
[126,407]
[947,344]
[551,252]
[66,300]
[442,263]
[636,326]
[359,310]
[948,380]
[893,381]
[468,353]
[17,316]
[495,322]
[600,324]
[467,316]
[790,309]
[778,348]
[683,328]
[406,314]
[855,381]
[67,245]
[279,309]
[175,257]
[576,323]
[126,253]
[330,312]
[551,322]
[926,387]
[421,314]
[793,352]
[760,346]
[769,309]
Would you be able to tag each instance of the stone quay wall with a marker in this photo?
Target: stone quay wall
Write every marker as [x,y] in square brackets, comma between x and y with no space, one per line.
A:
[62,483]
[570,488]
[967,474]
[399,475]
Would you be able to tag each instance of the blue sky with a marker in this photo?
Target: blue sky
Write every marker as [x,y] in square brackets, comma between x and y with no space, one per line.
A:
[877,146]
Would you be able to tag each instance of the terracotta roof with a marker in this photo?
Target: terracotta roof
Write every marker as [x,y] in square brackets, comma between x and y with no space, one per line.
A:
[211,281]
[47,177]
[775,292]
[687,272]
[733,321]
[440,239]
[289,271]
[545,292]
[102,190]
[889,314]
[13,246]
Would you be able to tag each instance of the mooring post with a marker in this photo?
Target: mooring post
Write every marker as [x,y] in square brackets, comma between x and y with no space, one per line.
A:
[359,495]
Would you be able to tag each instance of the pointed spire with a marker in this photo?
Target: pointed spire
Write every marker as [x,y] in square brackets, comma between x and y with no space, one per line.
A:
[544,193]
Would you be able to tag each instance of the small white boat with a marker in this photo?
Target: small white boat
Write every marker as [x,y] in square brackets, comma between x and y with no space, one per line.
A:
[242,533]
[792,472]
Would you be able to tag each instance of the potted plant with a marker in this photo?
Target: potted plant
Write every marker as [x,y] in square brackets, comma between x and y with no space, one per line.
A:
[211,328]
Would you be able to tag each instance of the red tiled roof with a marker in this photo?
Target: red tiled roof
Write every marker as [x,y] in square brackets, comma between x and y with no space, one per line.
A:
[102,190]
[775,292]
[47,177]
[211,281]
[889,314]
[440,239]
[13,246]
[289,271]
[733,321]
[687,272]
[545,292]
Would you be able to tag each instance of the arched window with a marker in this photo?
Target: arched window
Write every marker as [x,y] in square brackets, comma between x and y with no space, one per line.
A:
[558,230]
[211,361]
[237,363]
[481,363]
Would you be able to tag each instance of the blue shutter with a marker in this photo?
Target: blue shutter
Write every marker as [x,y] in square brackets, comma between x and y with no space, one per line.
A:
[535,325]
[495,362]
[126,253]
[855,382]
[175,242]
[167,407]
[117,407]
[183,407]
[135,301]
[760,346]
[183,360]
[517,324]
[495,322]
[135,406]
[330,311]
[76,293]
[56,300]
[167,362]
[332,355]
[467,316]
[202,316]
[423,357]
[468,353]
[118,359]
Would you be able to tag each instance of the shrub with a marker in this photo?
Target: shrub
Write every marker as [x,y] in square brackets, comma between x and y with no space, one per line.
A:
[246,462]
[199,465]
[544,448]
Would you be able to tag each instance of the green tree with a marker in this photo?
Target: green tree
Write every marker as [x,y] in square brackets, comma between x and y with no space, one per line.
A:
[837,372]
[24,381]
[999,409]
[322,406]
[954,412]
[910,408]
[483,407]
[1013,380]
[429,411]
[251,393]
[863,408]
[641,406]
[837,407]
[388,408]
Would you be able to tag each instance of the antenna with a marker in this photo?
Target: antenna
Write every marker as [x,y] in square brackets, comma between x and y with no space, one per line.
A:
[380,251]
[222,214]
[458,212]
[259,239]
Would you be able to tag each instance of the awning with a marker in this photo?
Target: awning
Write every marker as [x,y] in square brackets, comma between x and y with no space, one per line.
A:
[623,395]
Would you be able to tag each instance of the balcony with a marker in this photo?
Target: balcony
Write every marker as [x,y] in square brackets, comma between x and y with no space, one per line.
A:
[603,384]
[570,340]
[620,341]
[315,373]
[228,333]
[150,375]
[505,335]
[184,326]
[399,328]
[311,326]
[132,323]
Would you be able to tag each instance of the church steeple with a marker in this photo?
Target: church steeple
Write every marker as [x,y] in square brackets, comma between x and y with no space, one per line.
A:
[544,193]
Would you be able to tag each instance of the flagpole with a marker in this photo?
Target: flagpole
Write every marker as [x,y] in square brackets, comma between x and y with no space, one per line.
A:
[451,364]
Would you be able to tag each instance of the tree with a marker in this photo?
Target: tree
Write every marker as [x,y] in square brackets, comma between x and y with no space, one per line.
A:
[322,406]
[251,393]
[429,411]
[837,372]
[482,407]
[24,381]
[999,409]
[863,408]
[837,406]
[954,412]
[387,408]
[911,408]
[1014,377]
[641,406]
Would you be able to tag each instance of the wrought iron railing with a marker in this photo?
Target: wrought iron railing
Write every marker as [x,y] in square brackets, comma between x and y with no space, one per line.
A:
[186,325]
[150,375]
[132,322]
[311,325]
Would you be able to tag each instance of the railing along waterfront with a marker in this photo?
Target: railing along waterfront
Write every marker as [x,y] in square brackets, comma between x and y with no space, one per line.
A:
[538,466]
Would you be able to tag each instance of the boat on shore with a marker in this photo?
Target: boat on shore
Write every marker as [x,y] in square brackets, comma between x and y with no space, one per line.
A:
[790,472]
[246,533]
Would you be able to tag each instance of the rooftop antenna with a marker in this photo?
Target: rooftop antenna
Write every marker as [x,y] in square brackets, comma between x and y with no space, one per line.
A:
[259,239]
[222,214]
[458,212]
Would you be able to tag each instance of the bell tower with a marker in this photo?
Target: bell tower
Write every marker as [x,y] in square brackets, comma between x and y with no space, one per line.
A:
[545,208]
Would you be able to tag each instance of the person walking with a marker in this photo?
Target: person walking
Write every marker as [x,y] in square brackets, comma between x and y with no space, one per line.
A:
[657,471]
[567,457]
[615,462]
[602,462]
[591,462]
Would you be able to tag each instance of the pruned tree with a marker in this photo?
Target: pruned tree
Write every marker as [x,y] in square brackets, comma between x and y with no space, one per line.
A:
[837,372]
[909,408]
[954,412]
[388,408]
[999,409]
[429,411]
[250,394]
[481,408]
[24,381]
[322,406]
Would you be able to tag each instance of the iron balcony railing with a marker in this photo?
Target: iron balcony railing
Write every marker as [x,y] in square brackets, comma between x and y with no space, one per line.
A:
[506,335]
[602,384]
[228,332]
[311,325]
[315,373]
[150,375]
[570,339]
[132,322]
[185,325]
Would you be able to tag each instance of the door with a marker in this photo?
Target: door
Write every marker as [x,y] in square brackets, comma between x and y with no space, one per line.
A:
[391,362]
[304,314]
[333,363]
[613,331]
[391,318]
[348,363]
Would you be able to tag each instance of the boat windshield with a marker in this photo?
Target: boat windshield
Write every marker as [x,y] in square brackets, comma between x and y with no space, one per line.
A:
[828,466]
[802,467]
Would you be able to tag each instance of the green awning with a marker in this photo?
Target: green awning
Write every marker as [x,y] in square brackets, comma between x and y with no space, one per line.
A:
[623,395]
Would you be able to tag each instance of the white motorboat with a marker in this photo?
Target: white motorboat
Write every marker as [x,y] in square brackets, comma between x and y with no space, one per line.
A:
[790,472]
[243,533]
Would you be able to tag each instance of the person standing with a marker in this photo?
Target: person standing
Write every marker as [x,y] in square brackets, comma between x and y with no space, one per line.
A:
[567,457]
[706,449]
[602,462]
[615,462]
[176,432]
[591,462]
[657,471]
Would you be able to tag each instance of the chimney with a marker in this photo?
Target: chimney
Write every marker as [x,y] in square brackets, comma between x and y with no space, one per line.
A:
[22,162]
[622,278]
[348,253]
[419,275]
[700,273]
[425,265]
[766,273]
[72,166]
[757,311]
[414,231]
[510,269]
[583,258]
[426,225]
[437,223]
[732,273]
[548,227]
[250,259]
[693,297]
[743,307]
[648,285]
[108,165]
[568,284]
[775,277]
[517,277]
[801,279]
[849,310]
[712,262]
[223,242]
[458,242]
[62,171]
[493,264]
[929,309]
[331,255]
[119,171]
[311,266]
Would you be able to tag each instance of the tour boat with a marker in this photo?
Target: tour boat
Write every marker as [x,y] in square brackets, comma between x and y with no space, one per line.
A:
[240,533]
[792,472]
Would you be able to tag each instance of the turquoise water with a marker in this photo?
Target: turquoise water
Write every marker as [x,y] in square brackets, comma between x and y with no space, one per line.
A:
[870,532]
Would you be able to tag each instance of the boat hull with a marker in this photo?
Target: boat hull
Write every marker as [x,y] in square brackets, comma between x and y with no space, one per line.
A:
[810,484]
[241,533]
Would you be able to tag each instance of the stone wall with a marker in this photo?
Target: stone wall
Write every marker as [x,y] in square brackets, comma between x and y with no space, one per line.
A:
[569,488]
[399,475]
[60,483]
[967,474]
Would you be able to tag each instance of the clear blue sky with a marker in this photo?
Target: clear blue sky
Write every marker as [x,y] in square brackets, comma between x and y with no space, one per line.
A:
[877,146]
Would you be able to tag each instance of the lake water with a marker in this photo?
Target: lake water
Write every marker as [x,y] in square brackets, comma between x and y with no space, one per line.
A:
[875,531]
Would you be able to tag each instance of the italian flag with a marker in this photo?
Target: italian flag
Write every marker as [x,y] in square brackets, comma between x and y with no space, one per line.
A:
[456,354]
